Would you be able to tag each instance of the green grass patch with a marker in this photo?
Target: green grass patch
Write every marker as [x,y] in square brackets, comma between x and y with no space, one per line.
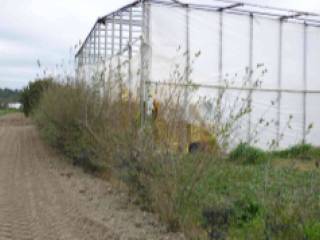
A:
[300,151]
[7,111]
[245,153]
[256,202]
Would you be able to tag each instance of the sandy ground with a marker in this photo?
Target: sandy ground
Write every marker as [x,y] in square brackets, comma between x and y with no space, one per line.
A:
[43,197]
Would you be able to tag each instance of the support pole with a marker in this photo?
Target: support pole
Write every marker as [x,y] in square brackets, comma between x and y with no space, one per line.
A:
[220,67]
[106,40]
[187,77]
[85,54]
[90,49]
[130,58]
[250,69]
[278,137]
[187,68]
[142,84]
[305,80]
[77,65]
[119,68]
[106,36]
[145,61]
[120,33]
[100,59]
[95,45]
[113,36]
[99,42]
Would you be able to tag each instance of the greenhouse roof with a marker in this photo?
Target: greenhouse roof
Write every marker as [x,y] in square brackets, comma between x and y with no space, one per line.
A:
[247,8]
[231,6]
[235,7]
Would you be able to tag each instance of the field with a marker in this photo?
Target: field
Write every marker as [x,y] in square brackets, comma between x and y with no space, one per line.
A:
[7,111]
[274,199]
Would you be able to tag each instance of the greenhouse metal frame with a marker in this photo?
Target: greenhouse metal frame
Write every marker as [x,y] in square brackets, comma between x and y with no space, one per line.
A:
[129,31]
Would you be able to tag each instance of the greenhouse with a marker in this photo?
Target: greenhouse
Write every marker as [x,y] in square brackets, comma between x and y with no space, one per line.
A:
[269,56]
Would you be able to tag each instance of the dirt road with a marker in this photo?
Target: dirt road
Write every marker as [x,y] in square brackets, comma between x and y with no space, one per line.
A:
[43,197]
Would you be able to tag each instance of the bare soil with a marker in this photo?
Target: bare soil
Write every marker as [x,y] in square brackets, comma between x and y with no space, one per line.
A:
[44,197]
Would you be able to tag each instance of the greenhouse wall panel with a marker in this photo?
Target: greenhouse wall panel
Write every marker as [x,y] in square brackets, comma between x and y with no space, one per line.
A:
[268,57]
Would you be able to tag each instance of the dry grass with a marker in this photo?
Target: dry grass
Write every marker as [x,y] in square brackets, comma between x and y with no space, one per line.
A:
[206,195]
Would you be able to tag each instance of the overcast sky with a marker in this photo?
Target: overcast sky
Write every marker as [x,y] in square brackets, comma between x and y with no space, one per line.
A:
[48,29]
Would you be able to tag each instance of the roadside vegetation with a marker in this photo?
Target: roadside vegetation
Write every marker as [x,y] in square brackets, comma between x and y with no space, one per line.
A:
[7,111]
[30,95]
[8,96]
[212,193]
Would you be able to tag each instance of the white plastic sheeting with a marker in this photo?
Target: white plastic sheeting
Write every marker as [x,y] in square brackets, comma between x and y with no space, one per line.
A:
[235,43]
[279,49]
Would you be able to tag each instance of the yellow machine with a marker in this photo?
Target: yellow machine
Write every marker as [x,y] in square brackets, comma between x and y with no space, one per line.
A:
[179,135]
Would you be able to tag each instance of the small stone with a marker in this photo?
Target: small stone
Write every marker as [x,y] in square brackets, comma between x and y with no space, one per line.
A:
[138,224]
[82,191]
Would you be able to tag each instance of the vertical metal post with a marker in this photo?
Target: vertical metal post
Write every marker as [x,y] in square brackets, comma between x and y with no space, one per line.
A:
[120,33]
[185,135]
[99,41]
[95,44]
[220,67]
[278,137]
[187,68]
[130,57]
[84,56]
[119,56]
[142,66]
[113,36]
[84,52]
[77,65]
[106,40]
[142,84]
[80,60]
[106,35]
[87,52]
[99,57]
[305,80]
[250,72]
[90,49]
[145,59]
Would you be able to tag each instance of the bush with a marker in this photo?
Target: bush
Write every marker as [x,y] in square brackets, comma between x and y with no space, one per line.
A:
[246,210]
[300,151]
[312,231]
[30,95]
[244,153]
[61,117]
[217,221]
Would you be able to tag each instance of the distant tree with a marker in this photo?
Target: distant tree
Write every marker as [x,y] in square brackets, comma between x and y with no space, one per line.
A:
[8,96]
[31,95]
